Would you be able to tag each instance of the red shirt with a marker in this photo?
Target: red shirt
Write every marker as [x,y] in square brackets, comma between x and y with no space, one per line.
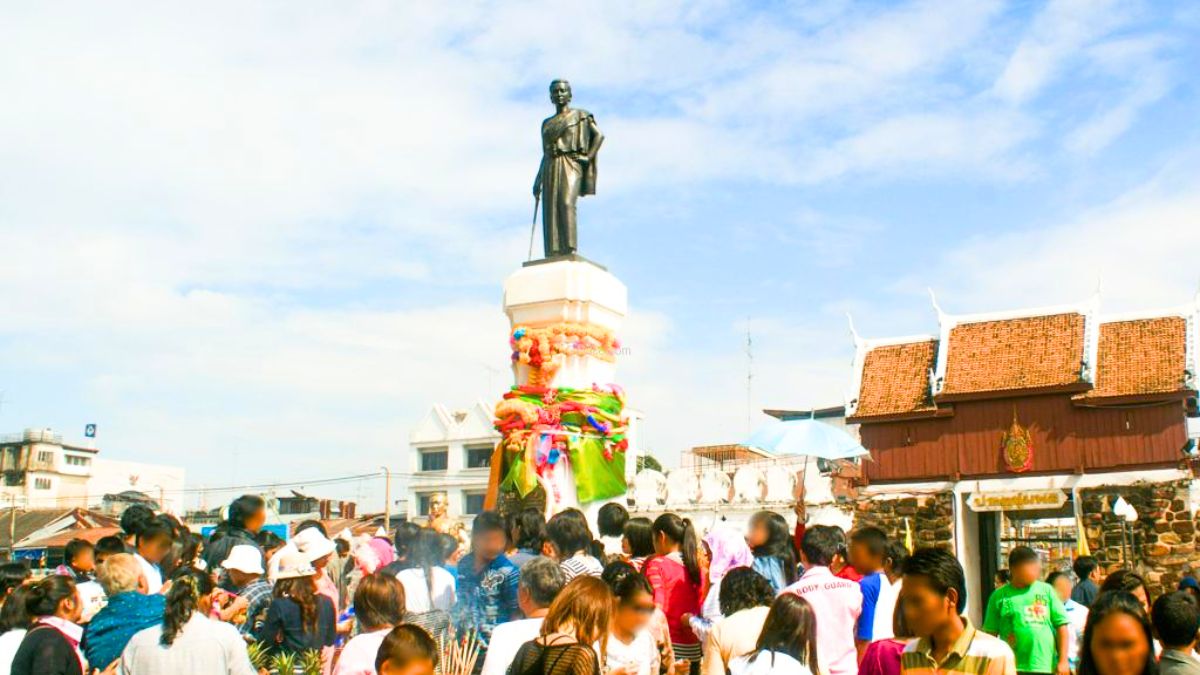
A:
[675,593]
[848,572]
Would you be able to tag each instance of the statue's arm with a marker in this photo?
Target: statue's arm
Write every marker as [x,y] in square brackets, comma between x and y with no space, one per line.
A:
[597,138]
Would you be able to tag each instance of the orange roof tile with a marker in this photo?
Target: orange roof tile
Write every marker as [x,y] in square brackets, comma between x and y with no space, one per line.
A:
[1142,356]
[1010,354]
[895,379]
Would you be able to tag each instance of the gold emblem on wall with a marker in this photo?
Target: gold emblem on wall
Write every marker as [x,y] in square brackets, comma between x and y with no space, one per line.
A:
[1017,447]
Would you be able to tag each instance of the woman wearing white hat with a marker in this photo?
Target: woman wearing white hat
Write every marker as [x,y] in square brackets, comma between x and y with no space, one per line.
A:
[299,618]
[318,549]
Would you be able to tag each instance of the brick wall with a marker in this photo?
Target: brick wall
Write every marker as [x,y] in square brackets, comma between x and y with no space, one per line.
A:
[930,516]
[1160,543]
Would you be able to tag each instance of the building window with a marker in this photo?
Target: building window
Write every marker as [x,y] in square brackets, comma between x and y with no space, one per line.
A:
[479,456]
[41,483]
[76,460]
[473,503]
[45,456]
[434,460]
[423,504]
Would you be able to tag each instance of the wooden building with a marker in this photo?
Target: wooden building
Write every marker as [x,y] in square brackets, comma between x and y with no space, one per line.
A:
[1023,427]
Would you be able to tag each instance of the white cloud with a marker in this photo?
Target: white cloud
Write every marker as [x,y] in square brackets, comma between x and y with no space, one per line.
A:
[1058,34]
[279,232]
[1142,245]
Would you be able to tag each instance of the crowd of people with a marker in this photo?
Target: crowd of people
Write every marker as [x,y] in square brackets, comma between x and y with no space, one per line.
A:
[550,597]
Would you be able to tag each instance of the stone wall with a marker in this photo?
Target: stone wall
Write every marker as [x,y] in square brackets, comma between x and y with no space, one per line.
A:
[1160,543]
[930,516]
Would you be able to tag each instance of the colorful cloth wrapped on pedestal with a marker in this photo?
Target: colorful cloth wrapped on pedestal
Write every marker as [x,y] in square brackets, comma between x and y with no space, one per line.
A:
[560,439]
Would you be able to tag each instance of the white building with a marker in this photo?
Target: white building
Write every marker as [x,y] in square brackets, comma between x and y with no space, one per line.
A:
[451,451]
[41,471]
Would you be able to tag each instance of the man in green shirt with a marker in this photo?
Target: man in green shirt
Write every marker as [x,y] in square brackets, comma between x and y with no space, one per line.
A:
[1027,613]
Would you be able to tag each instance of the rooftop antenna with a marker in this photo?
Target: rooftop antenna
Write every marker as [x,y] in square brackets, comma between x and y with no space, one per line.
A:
[853,331]
[749,374]
[936,307]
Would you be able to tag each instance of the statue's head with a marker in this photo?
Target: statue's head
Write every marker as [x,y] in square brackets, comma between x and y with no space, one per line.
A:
[438,503]
[560,92]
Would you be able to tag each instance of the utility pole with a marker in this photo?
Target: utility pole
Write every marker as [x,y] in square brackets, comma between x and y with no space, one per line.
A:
[12,523]
[387,500]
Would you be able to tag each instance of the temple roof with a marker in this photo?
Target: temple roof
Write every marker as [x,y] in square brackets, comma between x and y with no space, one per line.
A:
[1022,353]
[1142,356]
[1067,349]
[895,379]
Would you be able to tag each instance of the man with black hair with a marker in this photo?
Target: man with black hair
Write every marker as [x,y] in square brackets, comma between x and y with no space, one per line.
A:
[889,592]
[1176,619]
[153,542]
[247,515]
[1087,571]
[868,550]
[132,519]
[836,602]
[487,579]
[541,581]
[1028,615]
[611,519]
[933,598]
[108,546]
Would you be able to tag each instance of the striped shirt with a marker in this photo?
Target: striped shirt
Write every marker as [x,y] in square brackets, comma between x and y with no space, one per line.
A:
[580,565]
[973,653]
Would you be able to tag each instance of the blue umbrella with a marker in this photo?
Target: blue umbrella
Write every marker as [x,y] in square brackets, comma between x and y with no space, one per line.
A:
[807,438]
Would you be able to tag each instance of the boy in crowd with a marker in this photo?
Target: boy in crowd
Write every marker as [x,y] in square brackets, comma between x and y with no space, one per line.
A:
[487,580]
[79,561]
[107,547]
[541,581]
[868,550]
[1087,571]
[836,602]
[889,592]
[1077,613]
[933,598]
[1028,615]
[245,569]
[153,542]
[1176,619]
[611,520]
[570,540]
[132,520]
[407,650]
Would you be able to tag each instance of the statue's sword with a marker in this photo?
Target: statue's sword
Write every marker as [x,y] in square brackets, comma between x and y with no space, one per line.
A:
[537,199]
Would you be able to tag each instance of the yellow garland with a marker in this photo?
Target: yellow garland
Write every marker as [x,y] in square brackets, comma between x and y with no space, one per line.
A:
[558,340]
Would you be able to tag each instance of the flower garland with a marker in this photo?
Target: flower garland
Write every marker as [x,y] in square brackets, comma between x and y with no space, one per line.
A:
[542,349]
[538,424]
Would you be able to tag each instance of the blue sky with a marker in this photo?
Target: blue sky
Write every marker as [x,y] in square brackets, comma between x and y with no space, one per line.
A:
[260,241]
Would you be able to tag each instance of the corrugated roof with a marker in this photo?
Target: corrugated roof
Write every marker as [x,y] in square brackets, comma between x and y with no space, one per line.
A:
[895,379]
[92,534]
[29,521]
[1038,352]
[1141,356]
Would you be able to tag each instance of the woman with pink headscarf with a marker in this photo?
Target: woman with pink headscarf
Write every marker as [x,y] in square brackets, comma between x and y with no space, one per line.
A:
[726,549]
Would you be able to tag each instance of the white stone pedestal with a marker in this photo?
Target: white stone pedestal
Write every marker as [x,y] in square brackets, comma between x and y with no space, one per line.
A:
[573,292]
[570,291]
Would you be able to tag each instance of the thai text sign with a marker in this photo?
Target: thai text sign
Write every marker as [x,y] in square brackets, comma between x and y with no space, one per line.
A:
[1016,501]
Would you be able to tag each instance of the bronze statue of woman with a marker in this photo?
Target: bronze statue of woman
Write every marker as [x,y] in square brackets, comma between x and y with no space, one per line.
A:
[570,141]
